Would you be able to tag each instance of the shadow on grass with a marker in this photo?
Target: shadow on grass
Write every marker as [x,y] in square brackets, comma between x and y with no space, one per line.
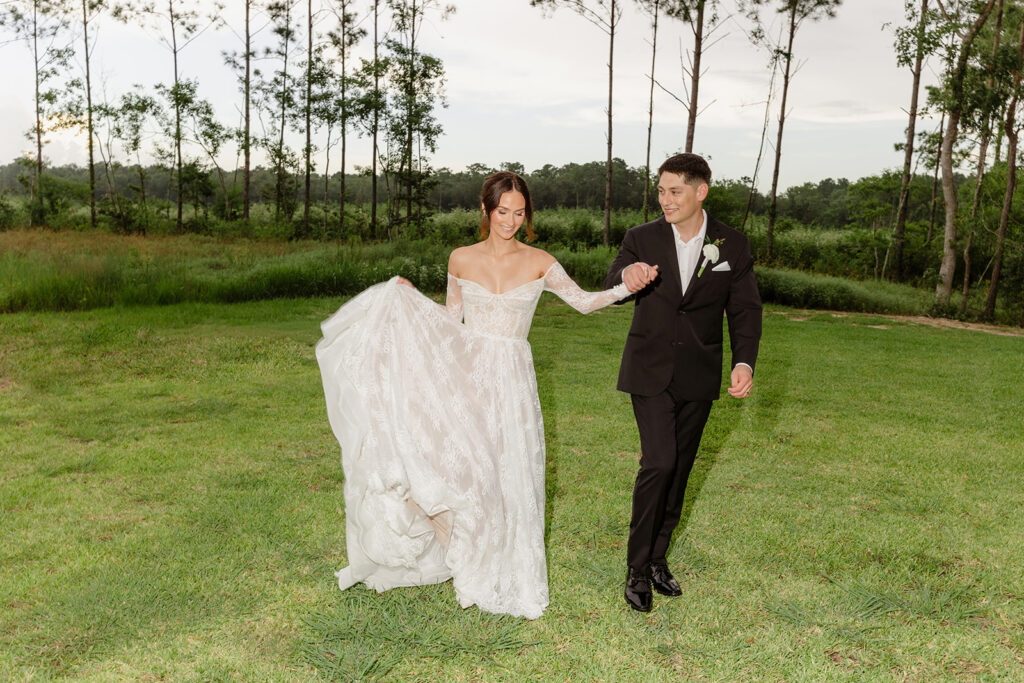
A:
[770,388]
[543,372]
[366,635]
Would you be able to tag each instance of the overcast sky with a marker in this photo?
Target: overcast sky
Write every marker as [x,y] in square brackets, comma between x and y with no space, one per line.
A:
[528,86]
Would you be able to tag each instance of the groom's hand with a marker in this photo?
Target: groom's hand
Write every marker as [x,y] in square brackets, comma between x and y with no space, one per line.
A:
[639,275]
[742,382]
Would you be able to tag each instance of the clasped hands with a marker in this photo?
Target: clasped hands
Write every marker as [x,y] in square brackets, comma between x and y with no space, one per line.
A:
[638,275]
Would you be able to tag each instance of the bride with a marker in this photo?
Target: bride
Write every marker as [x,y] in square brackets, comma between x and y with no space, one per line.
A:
[439,421]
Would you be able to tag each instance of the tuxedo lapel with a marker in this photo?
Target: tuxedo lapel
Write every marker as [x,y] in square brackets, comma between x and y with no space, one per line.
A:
[667,244]
[712,233]
[693,278]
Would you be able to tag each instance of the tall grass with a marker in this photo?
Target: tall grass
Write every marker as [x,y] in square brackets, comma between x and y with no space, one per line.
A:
[806,290]
[79,271]
[45,271]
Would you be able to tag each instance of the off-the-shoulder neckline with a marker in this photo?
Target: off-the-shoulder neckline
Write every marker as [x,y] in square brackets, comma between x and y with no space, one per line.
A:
[507,291]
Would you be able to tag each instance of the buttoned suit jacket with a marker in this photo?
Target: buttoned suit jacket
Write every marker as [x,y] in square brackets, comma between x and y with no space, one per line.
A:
[676,331]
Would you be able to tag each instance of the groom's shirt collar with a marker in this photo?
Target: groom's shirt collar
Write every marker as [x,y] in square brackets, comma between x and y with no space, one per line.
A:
[687,253]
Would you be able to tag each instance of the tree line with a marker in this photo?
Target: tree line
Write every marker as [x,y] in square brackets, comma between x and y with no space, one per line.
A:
[296,75]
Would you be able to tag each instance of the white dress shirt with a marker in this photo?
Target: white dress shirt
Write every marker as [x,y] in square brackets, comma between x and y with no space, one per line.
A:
[689,252]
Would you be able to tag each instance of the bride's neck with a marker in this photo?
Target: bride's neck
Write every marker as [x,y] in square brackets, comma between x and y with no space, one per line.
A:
[497,247]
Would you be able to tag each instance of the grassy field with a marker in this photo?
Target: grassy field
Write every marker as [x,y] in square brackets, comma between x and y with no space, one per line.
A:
[171,509]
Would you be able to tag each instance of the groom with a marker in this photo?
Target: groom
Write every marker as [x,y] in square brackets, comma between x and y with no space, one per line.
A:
[686,270]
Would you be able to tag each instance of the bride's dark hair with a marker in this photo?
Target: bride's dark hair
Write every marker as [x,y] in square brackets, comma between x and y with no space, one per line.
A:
[496,185]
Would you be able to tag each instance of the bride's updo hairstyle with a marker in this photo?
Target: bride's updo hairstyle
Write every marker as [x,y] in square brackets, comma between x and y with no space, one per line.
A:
[496,185]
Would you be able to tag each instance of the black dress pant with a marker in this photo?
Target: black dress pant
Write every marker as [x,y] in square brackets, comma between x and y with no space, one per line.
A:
[670,431]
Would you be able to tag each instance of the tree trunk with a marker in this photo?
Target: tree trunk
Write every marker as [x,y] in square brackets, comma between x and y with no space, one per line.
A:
[986,127]
[944,288]
[1012,136]
[760,147]
[177,117]
[999,135]
[246,142]
[650,112]
[281,203]
[908,153]
[698,49]
[88,112]
[773,205]
[967,275]
[107,175]
[947,267]
[309,112]
[935,183]
[327,180]
[344,112]
[979,173]
[410,95]
[376,122]
[39,116]
[612,22]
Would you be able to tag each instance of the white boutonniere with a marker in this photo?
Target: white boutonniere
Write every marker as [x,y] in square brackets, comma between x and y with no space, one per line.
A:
[711,253]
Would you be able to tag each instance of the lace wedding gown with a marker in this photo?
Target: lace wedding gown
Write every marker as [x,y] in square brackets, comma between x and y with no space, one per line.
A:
[442,439]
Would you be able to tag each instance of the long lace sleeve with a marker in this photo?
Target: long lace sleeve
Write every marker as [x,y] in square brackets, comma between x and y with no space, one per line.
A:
[558,281]
[453,299]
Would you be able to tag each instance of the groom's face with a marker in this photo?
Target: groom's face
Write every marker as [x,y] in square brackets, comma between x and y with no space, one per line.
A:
[680,200]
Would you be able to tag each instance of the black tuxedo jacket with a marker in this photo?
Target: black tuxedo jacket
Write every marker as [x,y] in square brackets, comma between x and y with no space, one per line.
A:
[675,328]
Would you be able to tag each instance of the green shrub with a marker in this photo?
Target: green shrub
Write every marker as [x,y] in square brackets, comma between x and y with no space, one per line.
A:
[456,227]
[587,268]
[8,213]
[805,290]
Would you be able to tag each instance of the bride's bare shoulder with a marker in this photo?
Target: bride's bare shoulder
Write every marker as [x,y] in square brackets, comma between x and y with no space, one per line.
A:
[458,259]
[539,259]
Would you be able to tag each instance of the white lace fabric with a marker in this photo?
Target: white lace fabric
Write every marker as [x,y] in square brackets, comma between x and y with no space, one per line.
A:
[442,438]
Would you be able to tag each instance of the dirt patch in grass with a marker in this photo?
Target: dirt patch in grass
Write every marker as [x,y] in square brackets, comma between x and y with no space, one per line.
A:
[946,323]
[802,315]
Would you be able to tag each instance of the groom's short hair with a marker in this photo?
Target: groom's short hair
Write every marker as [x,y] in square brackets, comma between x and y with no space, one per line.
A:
[691,166]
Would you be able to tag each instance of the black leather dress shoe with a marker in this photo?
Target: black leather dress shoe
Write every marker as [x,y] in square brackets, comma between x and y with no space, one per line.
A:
[663,581]
[638,590]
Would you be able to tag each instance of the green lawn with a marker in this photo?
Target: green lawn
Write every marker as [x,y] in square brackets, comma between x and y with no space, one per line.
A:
[171,509]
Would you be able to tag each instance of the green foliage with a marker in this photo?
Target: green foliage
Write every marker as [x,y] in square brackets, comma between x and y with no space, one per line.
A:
[804,290]
[589,267]
[456,227]
[60,194]
[8,213]
[847,253]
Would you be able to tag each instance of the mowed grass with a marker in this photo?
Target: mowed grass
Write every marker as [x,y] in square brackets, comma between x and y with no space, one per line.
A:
[171,509]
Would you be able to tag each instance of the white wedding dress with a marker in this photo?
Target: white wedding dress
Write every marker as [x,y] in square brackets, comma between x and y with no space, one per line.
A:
[442,439]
